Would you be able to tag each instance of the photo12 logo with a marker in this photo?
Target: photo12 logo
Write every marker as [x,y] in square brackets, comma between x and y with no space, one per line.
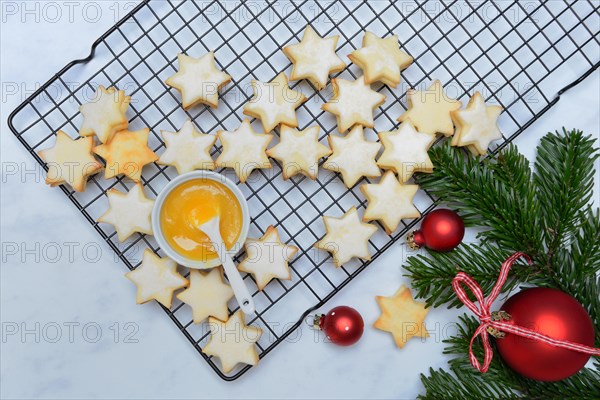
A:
[53,252]
[69,332]
[55,12]
[57,92]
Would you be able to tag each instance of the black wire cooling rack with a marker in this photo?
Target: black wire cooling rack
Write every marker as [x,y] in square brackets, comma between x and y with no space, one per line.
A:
[518,54]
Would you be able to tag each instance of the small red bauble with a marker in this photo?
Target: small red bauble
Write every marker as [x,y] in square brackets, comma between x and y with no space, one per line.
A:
[552,313]
[441,230]
[343,325]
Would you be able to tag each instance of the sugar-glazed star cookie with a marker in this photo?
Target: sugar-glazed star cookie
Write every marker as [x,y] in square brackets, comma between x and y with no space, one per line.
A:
[353,156]
[126,153]
[128,212]
[476,125]
[198,80]
[233,342]
[207,295]
[314,58]
[347,237]
[156,279]
[353,103]
[274,103]
[381,59]
[70,161]
[244,150]
[429,110]
[402,316]
[104,115]
[188,149]
[299,151]
[389,201]
[267,258]
[405,151]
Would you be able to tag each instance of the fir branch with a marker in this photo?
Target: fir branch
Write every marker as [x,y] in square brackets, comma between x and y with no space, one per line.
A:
[465,384]
[459,344]
[494,195]
[432,274]
[564,176]
[583,385]
[501,383]
[547,215]
[585,249]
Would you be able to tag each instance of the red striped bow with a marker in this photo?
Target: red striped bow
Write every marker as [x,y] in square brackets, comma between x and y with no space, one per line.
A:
[490,321]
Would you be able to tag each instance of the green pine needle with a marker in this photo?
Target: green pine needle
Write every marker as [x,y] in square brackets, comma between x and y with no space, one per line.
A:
[499,381]
[545,213]
[432,274]
[564,178]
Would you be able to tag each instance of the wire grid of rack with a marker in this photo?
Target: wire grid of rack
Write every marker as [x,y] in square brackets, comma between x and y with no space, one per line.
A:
[513,52]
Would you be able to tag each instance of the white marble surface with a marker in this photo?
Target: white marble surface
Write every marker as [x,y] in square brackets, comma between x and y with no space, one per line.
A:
[74,294]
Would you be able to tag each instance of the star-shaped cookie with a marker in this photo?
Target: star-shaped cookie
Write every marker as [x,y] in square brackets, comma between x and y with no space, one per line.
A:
[346,237]
[274,103]
[353,156]
[207,295]
[389,201]
[299,151]
[353,103]
[381,59]
[105,114]
[402,316]
[156,279]
[405,151]
[232,341]
[188,149]
[476,125]
[70,161]
[244,150]
[198,80]
[126,153]
[314,58]
[429,110]
[267,258]
[128,212]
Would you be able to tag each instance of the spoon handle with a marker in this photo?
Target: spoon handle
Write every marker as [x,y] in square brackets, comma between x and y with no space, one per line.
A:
[242,295]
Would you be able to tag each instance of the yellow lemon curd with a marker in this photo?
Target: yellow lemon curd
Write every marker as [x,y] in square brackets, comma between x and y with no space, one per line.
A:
[193,203]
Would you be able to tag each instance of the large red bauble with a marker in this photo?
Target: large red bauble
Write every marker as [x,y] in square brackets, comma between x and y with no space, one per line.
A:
[441,230]
[343,325]
[554,314]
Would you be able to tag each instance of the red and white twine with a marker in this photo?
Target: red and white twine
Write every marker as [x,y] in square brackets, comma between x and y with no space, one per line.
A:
[485,316]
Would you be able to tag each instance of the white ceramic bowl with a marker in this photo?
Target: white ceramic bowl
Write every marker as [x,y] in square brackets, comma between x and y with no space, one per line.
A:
[158,234]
